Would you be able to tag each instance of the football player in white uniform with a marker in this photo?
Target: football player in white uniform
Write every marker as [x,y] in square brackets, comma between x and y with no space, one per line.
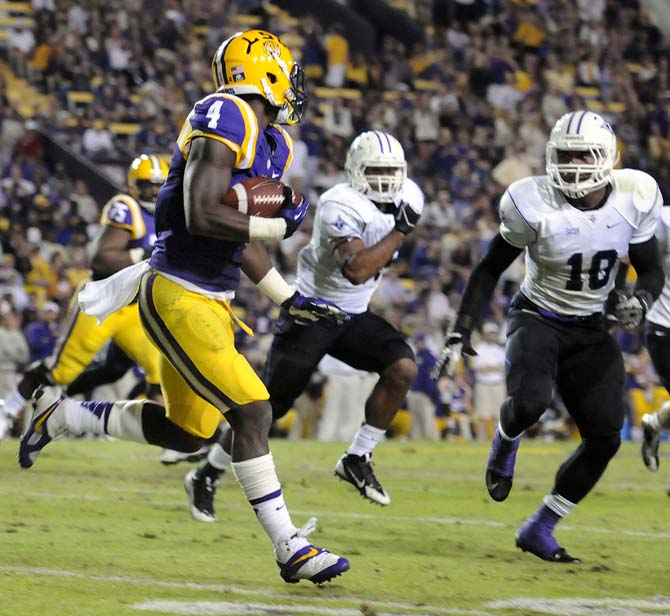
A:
[358,228]
[574,224]
[657,339]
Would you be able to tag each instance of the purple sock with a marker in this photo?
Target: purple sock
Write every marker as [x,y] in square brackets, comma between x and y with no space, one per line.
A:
[546,517]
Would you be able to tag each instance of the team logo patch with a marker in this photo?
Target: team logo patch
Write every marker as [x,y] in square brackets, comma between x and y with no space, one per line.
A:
[339,224]
[237,73]
[271,48]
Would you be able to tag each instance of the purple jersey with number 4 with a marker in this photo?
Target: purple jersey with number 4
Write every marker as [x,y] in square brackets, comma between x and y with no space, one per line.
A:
[213,264]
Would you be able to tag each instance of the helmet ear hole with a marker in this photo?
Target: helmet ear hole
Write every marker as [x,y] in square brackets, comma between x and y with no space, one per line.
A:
[272,78]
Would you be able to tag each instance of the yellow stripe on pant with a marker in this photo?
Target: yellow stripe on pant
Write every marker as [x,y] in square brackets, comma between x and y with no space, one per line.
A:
[202,373]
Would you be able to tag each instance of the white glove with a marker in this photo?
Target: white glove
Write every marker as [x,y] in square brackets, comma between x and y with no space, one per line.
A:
[629,310]
[455,346]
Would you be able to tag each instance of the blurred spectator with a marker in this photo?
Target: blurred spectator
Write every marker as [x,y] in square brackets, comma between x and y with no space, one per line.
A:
[489,389]
[423,400]
[20,43]
[337,57]
[14,353]
[85,205]
[42,333]
[97,141]
[346,390]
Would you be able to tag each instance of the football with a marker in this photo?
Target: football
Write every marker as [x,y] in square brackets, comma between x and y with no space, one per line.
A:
[256,197]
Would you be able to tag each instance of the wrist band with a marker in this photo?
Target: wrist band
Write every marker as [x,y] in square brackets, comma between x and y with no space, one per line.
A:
[275,287]
[266,228]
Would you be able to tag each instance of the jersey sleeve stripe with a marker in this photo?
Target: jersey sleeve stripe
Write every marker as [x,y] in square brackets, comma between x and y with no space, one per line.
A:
[244,152]
[289,145]
[522,216]
[137,228]
[133,208]
[251,133]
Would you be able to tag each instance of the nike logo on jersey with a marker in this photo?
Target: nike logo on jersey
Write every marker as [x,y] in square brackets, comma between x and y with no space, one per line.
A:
[614,224]
[275,175]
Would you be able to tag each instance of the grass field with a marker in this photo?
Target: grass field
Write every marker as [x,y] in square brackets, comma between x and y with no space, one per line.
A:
[101,529]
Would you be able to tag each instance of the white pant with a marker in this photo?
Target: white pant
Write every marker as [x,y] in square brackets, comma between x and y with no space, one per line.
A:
[488,399]
[422,409]
[344,405]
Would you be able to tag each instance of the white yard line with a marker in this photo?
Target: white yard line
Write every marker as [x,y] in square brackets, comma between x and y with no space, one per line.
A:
[276,602]
[227,608]
[448,521]
[355,602]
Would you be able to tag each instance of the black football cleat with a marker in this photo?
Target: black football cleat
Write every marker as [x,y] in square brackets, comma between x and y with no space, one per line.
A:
[537,539]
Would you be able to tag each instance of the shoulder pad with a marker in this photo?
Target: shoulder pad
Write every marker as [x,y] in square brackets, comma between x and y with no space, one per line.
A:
[124,212]
[646,192]
[226,118]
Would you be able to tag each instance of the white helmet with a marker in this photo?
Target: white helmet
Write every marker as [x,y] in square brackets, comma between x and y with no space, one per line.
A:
[376,150]
[581,131]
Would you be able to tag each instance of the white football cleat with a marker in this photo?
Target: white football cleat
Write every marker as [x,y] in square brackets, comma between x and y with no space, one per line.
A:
[47,422]
[357,470]
[651,439]
[299,560]
[201,491]
[171,456]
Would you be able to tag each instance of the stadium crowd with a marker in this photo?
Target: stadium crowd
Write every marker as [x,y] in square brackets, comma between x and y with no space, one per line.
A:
[472,105]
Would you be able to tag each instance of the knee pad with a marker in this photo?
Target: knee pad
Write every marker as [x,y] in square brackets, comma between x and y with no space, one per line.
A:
[519,415]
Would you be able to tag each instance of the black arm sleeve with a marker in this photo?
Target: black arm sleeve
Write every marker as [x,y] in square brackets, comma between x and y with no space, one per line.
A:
[483,280]
[646,259]
[620,280]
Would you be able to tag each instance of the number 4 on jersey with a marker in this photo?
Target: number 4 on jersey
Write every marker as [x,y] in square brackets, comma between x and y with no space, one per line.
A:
[214,113]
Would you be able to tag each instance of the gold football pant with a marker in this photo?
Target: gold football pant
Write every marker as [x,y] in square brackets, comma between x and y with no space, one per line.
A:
[84,338]
[201,372]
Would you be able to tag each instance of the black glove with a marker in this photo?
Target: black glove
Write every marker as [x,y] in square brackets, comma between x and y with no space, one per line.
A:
[455,346]
[310,309]
[293,211]
[628,310]
[405,218]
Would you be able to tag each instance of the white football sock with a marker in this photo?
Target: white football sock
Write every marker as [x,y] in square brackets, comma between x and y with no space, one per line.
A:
[258,478]
[218,458]
[366,440]
[122,420]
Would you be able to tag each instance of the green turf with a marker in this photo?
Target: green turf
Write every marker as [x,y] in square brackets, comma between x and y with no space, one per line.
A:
[100,528]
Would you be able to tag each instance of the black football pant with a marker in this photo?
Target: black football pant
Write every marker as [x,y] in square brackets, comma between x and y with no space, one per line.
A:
[586,365]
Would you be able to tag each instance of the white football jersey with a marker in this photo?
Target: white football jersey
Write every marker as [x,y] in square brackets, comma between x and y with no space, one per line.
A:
[344,212]
[572,256]
[660,310]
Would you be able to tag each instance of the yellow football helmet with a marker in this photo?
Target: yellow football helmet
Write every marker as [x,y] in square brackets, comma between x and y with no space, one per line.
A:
[257,62]
[146,174]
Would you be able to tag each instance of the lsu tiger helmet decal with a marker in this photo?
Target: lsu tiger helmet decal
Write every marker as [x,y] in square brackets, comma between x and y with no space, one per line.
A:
[257,62]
